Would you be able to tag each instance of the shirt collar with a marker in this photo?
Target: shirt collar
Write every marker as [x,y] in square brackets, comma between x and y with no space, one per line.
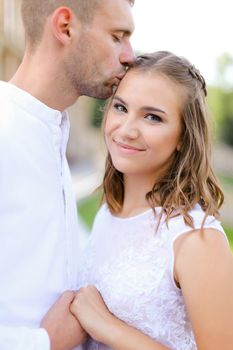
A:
[33,105]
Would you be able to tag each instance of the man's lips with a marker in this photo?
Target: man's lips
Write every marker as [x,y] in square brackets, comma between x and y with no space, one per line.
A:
[129,147]
[121,75]
[116,80]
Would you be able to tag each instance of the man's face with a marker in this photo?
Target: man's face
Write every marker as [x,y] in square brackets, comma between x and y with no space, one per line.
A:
[102,50]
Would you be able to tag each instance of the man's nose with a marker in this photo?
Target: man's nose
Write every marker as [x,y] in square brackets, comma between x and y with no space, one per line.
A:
[127,55]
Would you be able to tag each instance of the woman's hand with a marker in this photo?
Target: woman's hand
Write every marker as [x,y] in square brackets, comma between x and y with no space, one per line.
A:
[94,316]
[91,311]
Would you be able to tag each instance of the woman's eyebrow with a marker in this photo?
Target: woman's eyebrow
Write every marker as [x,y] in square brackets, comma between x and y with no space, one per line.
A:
[120,100]
[143,108]
[154,109]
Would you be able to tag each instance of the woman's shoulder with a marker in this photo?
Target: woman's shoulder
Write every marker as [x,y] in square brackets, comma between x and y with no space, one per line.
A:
[177,225]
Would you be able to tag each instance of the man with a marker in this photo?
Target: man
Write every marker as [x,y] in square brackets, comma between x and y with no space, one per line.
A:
[73,48]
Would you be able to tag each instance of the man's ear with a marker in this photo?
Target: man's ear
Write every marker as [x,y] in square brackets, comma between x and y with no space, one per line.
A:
[61,22]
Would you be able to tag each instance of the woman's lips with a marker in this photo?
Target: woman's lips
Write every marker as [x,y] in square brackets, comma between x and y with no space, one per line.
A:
[128,148]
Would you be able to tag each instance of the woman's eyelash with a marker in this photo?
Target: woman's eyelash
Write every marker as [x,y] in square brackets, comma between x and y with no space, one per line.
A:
[153,117]
[119,107]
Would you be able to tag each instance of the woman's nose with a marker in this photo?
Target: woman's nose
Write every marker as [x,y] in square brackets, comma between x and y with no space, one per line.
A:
[129,130]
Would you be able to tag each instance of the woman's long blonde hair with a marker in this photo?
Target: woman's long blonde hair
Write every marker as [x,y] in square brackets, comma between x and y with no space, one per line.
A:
[189,179]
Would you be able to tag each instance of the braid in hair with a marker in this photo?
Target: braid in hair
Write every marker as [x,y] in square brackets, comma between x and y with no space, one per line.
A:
[197,75]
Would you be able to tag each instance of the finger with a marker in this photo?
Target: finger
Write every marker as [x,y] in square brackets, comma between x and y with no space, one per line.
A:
[68,296]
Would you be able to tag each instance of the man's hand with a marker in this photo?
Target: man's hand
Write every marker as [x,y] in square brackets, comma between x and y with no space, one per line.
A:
[64,330]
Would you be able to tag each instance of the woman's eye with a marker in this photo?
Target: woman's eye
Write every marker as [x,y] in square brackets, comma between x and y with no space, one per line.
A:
[119,107]
[153,118]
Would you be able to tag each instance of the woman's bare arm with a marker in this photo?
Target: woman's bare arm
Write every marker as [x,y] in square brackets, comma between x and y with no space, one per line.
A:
[204,269]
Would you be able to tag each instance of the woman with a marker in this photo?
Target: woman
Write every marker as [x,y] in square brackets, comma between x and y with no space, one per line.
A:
[158,271]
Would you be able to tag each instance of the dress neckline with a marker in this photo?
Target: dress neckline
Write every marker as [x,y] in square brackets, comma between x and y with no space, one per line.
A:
[145,213]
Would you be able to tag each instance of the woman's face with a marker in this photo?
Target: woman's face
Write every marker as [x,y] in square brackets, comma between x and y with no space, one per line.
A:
[143,123]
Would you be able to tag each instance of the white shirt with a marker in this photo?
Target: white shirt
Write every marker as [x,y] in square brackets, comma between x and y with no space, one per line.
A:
[38,219]
[132,266]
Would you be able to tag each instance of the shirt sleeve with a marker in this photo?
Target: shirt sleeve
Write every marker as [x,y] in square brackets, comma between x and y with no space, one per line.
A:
[22,338]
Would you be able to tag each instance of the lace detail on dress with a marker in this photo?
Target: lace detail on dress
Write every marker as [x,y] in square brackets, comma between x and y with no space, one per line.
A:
[129,263]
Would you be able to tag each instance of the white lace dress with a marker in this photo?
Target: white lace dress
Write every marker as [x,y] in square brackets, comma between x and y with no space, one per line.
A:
[132,267]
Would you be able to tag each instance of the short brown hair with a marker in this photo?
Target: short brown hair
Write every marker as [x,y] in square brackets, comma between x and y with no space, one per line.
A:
[189,178]
[35,13]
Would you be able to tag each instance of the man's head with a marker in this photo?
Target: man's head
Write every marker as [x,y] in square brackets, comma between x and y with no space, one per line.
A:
[36,12]
[91,38]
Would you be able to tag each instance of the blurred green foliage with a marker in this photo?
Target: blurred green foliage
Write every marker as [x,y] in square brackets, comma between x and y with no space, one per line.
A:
[88,207]
[226,179]
[220,99]
[229,232]
[97,113]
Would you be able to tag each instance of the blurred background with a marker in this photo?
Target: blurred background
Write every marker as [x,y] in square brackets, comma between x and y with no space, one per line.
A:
[199,30]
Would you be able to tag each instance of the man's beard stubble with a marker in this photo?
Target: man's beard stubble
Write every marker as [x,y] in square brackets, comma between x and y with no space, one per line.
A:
[83,76]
